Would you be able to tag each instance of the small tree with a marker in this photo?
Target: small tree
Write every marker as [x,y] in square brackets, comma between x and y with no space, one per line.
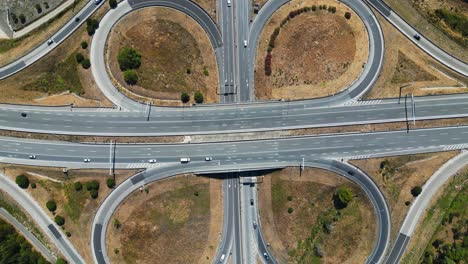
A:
[84,44]
[33,185]
[94,194]
[110,183]
[117,223]
[86,64]
[51,205]
[290,198]
[59,220]
[94,185]
[60,261]
[184,97]
[79,57]
[91,26]
[38,8]
[416,191]
[68,234]
[22,181]
[130,77]
[113,3]
[198,97]
[129,58]
[290,210]
[347,15]
[78,186]
[22,18]
[343,196]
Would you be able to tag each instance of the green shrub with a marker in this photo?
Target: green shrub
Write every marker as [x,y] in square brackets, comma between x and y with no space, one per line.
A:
[22,181]
[78,186]
[205,71]
[117,223]
[110,183]
[343,196]
[457,22]
[51,205]
[79,57]
[113,3]
[198,97]
[130,77]
[290,198]
[68,234]
[129,59]
[60,261]
[347,15]
[290,210]
[184,97]
[94,194]
[91,26]
[33,185]
[84,44]
[59,220]
[416,191]
[86,63]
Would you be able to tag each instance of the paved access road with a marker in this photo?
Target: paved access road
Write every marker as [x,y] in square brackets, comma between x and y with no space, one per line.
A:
[228,119]
[109,205]
[48,227]
[421,203]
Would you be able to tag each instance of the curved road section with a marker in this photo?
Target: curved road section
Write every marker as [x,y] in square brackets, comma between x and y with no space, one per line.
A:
[105,211]
[420,204]
[98,45]
[369,73]
[424,43]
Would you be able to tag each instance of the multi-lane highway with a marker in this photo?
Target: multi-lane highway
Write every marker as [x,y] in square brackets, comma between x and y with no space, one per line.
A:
[235,52]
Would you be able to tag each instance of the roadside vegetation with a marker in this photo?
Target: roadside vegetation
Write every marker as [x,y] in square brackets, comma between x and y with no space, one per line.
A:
[441,236]
[317,217]
[14,248]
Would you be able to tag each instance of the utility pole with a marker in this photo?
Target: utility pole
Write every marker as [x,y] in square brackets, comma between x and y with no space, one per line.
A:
[406,114]
[148,111]
[112,158]
[401,87]
[413,108]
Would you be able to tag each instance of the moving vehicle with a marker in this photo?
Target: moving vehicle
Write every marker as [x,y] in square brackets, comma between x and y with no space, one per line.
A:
[184,160]
[228,2]
[251,201]
[255,225]
[24,114]
[245,43]
[49,42]
[417,37]
[87,160]
[152,161]
[222,258]
[265,255]
[351,173]
[97,1]
[32,156]
[208,158]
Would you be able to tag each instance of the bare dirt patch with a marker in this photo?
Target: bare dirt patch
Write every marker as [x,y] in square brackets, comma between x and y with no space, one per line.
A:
[406,64]
[177,55]
[77,207]
[311,198]
[317,53]
[174,222]
[399,176]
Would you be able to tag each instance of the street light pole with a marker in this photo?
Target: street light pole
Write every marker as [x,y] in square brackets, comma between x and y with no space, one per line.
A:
[413,108]
[110,158]
[149,111]
[401,87]
[406,114]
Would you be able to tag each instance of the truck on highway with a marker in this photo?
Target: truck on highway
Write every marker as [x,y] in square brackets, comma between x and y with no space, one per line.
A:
[184,160]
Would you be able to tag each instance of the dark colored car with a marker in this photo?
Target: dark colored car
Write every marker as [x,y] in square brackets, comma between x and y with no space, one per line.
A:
[417,37]
[251,202]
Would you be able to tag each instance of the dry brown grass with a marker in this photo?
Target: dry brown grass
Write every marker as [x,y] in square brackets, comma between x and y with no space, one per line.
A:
[168,224]
[406,172]
[312,195]
[77,208]
[165,37]
[38,36]
[11,87]
[405,63]
[316,53]
[209,6]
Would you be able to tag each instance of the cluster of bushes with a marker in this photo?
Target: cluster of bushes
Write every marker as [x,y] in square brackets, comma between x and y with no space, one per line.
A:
[85,62]
[91,186]
[457,22]
[198,97]
[91,26]
[129,59]
[38,8]
[16,19]
[274,35]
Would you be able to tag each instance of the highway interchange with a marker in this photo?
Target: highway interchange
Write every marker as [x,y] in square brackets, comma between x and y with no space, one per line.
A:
[237,114]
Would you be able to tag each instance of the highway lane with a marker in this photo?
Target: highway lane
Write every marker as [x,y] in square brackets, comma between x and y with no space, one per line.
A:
[242,55]
[424,43]
[49,228]
[420,204]
[43,49]
[111,202]
[227,237]
[251,118]
[336,146]
[227,29]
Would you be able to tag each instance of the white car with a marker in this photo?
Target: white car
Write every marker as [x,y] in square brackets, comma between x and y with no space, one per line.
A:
[97,1]
[208,158]
[86,160]
[32,156]
[152,161]
[228,2]
[245,43]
